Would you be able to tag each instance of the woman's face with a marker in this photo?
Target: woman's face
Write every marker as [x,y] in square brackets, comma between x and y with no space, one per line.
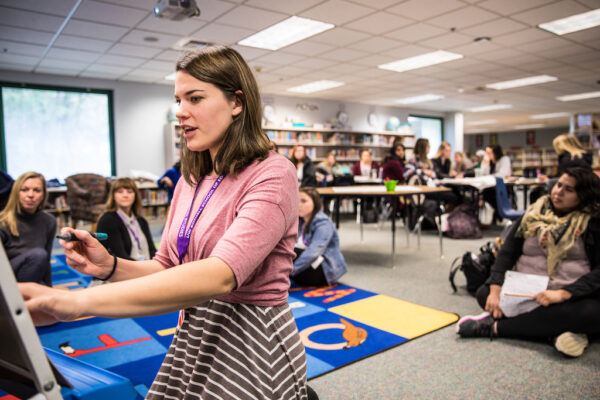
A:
[124,197]
[563,196]
[399,152]
[299,153]
[204,112]
[31,195]
[490,154]
[458,158]
[331,159]
[306,205]
[365,157]
[447,152]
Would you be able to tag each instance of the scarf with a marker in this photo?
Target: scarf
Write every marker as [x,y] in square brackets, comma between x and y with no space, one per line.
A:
[556,235]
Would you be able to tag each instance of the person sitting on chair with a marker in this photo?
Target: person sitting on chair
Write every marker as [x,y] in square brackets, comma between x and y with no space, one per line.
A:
[320,261]
[557,237]
[27,232]
[393,164]
[128,232]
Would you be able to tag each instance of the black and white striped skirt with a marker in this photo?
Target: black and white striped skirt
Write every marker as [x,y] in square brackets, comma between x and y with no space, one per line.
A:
[233,351]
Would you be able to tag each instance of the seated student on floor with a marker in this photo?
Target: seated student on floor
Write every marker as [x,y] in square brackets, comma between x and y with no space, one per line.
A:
[319,261]
[27,232]
[557,237]
[128,232]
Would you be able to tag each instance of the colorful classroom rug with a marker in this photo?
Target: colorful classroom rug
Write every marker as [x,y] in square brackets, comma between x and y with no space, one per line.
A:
[338,325]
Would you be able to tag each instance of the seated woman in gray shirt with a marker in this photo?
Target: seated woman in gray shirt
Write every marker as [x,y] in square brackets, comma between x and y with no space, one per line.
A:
[558,237]
[27,231]
[319,261]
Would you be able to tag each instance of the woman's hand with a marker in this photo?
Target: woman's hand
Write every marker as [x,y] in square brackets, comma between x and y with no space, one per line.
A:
[542,178]
[548,297]
[492,304]
[167,182]
[48,306]
[87,255]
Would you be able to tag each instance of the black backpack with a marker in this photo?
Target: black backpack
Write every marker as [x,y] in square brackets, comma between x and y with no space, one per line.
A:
[463,223]
[475,267]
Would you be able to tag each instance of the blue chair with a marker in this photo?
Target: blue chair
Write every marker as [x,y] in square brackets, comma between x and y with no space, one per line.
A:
[504,206]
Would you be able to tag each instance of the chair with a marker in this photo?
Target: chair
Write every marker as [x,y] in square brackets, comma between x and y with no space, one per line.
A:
[503,204]
[86,197]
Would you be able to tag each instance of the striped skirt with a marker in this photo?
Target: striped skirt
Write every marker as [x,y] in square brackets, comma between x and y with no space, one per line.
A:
[233,351]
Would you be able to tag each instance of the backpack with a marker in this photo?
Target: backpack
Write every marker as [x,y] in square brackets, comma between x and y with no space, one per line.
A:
[463,223]
[475,267]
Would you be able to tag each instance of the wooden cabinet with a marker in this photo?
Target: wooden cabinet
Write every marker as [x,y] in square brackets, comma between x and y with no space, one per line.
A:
[347,144]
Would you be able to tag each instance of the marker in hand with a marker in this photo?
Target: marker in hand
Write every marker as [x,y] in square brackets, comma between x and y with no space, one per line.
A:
[70,236]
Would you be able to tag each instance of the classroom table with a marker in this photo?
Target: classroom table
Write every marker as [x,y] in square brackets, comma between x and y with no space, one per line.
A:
[360,191]
[524,184]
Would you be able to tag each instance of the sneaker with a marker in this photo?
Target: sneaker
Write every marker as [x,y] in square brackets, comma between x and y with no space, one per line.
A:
[475,325]
[571,344]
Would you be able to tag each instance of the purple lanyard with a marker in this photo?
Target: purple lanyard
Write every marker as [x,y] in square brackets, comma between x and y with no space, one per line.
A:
[183,237]
[130,228]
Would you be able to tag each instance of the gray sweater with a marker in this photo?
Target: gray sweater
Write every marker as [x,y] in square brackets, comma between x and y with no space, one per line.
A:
[35,231]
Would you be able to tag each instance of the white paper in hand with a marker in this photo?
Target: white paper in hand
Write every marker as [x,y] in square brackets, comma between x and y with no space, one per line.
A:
[520,283]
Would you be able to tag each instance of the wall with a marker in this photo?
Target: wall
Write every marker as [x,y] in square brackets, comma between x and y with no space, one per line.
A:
[139,111]
[543,138]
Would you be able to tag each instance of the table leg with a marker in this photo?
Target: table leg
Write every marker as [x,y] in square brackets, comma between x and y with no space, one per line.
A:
[394,210]
[337,200]
[359,216]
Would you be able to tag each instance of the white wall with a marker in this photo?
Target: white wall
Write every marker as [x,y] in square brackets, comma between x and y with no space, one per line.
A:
[139,112]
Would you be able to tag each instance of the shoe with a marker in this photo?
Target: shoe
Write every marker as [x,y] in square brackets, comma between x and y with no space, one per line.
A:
[476,326]
[571,344]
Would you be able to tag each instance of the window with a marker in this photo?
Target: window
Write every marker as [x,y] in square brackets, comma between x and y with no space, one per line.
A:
[56,131]
[430,128]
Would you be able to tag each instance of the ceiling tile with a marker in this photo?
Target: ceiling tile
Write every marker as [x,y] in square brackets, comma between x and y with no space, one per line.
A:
[308,48]
[550,12]
[337,12]
[346,68]
[21,49]
[446,41]
[423,9]
[251,18]
[26,19]
[344,55]
[374,60]
[589,37]
[25,35]
[288,7]
[79,43]
[376,44]
[66,64]
[509,7]
[60,8]
[134,51]
[213,9]
[280,58]
[140,4]
[16,59]
[99,75]
[523,37]
[290,70]
[250,53]
[17,66]
[340,37]
[406,51]
[94,30]
[162,66]
[72,55]
[416,32]
[473,49]
[181,28]
[57,70]
[221,34]
[109,69]
[540,45]
[499,54]
[110,13]
[377,4]
[137,37]
[379,23]
[169,55]
[315,63]
[125,61]
[463,18]
[495,28]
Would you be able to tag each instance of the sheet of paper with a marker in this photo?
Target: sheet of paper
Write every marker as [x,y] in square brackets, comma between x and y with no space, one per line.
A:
[520,283]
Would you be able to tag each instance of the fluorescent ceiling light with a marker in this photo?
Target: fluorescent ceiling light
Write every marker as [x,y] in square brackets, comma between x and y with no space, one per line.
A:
[551,115]
[491,107]
[284,33]
[529,126]
[316,86]
[578,96]
[419,99]
[424,60]
[573,23]
[170,77]
[478,130]
[530,80]
[482,122]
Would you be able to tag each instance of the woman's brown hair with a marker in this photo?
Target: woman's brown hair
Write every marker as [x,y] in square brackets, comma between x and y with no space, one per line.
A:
[244,140]
[8,216]
[316,199]
[127,183]
[293,158]
[421,151]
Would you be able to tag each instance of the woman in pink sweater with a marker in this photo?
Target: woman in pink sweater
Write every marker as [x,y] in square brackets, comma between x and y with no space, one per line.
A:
[226,251]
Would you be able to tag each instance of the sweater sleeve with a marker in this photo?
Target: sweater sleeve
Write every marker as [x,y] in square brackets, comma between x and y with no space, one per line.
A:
[115,243]
[51,234]
[507,257]
[589,283]
[323,232]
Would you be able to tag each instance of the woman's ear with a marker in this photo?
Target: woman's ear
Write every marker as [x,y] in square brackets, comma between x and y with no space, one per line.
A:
[238,104]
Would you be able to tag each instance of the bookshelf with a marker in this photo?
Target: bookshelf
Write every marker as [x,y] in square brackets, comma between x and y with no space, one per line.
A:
[528,160]
[586,126]
[347,144]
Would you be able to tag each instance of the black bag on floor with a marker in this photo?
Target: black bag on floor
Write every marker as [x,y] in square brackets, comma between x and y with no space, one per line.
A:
[475,267]
[463,223]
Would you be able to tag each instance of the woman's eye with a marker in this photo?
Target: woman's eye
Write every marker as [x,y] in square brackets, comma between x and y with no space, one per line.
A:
[178,102]
[195,99]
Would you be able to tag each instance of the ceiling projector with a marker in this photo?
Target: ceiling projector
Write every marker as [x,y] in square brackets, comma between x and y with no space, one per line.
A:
[176,10]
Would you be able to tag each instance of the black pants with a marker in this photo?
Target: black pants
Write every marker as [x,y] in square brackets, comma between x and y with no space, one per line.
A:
[578,315]
[32,266]
[311,277]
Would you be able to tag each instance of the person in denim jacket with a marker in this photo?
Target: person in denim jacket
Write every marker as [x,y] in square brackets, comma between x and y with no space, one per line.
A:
[319,260]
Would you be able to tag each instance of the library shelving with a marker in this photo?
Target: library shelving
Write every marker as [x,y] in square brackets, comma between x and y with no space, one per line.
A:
[347,144]
[528,160]
[586,126]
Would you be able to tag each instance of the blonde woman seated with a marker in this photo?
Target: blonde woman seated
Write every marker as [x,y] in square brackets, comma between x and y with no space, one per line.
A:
[27,232]
[128,232]
[558,237]
[320,261]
